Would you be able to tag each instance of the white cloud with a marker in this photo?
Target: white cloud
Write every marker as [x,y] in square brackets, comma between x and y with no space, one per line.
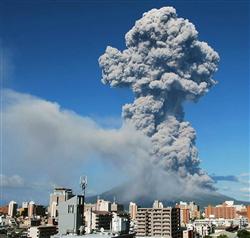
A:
[13,181]
[245,190]
[244,175]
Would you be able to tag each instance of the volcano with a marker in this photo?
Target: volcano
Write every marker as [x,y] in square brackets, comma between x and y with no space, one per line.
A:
[122,195]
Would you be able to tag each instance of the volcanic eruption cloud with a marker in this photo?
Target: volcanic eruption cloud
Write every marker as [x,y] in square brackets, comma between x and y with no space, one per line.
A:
[165,65]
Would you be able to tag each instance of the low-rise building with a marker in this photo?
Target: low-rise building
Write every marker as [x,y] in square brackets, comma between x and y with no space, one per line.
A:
[120,224]
[101,220]
[102,205]
[42,231]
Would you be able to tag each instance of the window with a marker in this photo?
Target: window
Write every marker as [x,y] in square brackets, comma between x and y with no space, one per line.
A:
[70,208]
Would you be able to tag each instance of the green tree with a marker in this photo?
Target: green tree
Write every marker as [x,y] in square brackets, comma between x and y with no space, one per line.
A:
[243,234]
[222,236]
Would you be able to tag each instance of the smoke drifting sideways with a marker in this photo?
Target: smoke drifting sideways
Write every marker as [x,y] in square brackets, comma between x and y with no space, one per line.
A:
[165,65]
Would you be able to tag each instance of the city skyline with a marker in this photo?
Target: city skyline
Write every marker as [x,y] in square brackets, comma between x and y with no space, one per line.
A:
[52,81]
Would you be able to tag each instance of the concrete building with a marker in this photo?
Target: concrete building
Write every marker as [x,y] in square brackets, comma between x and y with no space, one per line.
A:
[188,233]
[102,205]
[98,235]
[59,195]
[88,213]
[12,209]
[194,211]
[25,204]
[226,210]
[120,224]
[164,222]
[221,222]
[101,220]
[157,204]
[184,213]
[188,211]
[4,210]
[116,207]
[53,209]
[132,210]
[248,213]
[31,209]
[23,211]
[41,231]
[71,215]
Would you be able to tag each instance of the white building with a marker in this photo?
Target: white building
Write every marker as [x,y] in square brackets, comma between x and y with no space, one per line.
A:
[157,204]
[31,209]
[42,231]
[202,229]
[53,209]
[25,205]
[102,205]
[119,224]
[12,210]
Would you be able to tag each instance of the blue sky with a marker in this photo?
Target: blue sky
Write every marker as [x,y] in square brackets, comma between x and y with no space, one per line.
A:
[52,50]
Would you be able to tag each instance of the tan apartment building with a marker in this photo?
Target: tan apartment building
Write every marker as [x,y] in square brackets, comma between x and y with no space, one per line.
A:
[133,210]
[164,222]
[220,211]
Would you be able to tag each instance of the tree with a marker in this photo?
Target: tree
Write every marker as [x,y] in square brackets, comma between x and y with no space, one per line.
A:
[222,236]
[243,234]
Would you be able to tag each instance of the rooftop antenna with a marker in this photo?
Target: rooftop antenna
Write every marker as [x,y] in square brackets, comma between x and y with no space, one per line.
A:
[83,184]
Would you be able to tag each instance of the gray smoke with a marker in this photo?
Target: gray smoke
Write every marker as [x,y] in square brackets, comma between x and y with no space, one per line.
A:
[165,65]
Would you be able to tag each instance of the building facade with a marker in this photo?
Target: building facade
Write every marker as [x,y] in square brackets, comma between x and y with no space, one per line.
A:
[71,215]
[248,213]
[102,205]
[164,222]
[12,209]
[132,210]
[59,195]
[41,231]
[220,211]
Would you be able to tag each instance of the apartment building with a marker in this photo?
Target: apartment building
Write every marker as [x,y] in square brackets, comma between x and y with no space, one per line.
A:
[220,211]
[164,222]
[132,210]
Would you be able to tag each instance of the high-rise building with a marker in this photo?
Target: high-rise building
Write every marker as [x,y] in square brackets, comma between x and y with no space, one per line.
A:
[31,209]
[12,209]
[188,211]
[194,210]
[71,215]
[88,214]
[132,210]
[164,222]
[58,195]
[248,213]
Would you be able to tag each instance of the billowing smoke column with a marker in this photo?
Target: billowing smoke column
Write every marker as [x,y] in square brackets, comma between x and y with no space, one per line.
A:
[164,64]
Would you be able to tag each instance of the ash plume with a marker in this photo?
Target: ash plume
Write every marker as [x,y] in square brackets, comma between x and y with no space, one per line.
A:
[165,65]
